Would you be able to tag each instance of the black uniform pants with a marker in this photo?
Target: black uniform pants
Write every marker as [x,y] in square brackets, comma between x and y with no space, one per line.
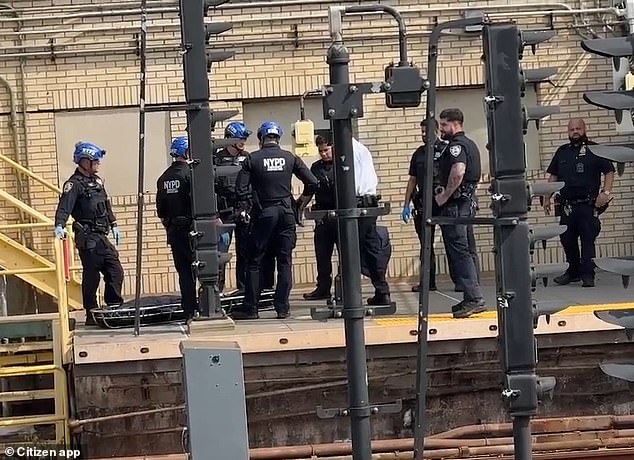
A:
[242,233]
[418,225]
[432,270]
[459,255]
[582,225]
[183,256]
[274,228]
[325,239]
[370,247]
[99,256]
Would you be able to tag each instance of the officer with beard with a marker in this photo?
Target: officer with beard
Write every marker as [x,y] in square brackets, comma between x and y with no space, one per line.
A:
[228,163]
[414,194]
[459,175]
[581,201]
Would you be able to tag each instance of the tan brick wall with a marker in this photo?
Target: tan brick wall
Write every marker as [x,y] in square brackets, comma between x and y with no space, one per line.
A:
[270,64]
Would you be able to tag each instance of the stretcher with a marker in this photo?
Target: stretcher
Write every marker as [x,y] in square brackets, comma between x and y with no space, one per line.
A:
[162,309]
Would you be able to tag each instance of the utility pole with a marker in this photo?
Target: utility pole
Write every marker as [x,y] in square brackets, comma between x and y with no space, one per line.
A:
[197,62]
[507,121]
[342,102]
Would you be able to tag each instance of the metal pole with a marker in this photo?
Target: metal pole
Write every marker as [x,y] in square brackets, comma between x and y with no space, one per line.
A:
[353,309]
[141,179]
[423,298]
[522,438]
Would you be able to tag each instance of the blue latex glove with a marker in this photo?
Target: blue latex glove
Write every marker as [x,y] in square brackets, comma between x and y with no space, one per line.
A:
[60,232]
[116,233]
[406,215]
[225,238]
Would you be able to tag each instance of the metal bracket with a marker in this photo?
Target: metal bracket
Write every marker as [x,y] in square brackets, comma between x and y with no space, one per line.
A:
[345,101]
[173,107]
[353,213]
[335,310]
[389,408]
[335,307]
[495,222]
[493,99]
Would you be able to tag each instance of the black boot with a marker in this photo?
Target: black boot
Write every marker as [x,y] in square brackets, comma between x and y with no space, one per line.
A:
[90,320]
[244,314]
[467,308]
[380,299]
[318,294]
[567,278]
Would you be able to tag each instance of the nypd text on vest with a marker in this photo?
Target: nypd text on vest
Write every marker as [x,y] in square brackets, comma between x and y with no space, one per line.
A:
[274,164]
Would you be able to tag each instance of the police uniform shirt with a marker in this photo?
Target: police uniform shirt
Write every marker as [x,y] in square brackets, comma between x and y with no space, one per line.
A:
[417,163]
[325,193]
[85,198]
[173,191]
[461,149]
[224,157]
[269,171]
[365,178]
[228,167]
[580,169]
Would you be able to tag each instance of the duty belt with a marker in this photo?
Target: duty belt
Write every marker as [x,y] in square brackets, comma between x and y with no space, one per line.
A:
[368,201]
[90,227]
[575,201]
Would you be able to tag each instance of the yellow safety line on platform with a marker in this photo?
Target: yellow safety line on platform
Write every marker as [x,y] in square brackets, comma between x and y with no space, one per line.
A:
[491,314]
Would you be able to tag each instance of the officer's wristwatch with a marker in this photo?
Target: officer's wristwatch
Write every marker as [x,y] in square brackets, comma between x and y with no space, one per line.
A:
[605,192]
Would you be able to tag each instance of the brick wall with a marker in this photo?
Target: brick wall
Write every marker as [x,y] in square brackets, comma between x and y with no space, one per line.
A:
[272,60]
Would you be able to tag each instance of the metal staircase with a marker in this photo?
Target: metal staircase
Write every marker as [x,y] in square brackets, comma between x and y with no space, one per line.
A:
[33,268]
[35,348]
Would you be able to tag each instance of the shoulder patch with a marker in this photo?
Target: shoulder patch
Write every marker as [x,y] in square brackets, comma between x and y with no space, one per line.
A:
[455,150]
[68,186]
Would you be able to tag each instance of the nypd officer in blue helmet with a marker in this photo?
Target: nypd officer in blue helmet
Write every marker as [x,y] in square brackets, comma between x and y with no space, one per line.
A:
[173,207]
[228,162]
[264,187]
[84,198]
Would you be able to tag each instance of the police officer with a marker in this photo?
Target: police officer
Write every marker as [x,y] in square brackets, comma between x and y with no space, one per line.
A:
[228,163]
[326,234]
[84,198]
[414,194]
[581,200]
[269,172]
[374,246]
[460,173]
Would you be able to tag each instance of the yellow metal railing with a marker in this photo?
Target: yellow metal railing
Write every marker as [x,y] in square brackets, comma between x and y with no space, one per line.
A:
[27,209]
[62,265]
[27,172]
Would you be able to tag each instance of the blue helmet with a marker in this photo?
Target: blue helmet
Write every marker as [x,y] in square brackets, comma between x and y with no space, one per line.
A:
[237,130]
[180,146]
[87,150]
[270,128]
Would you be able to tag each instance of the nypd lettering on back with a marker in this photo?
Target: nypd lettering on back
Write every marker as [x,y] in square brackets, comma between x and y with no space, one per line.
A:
[274,164]
[172,186]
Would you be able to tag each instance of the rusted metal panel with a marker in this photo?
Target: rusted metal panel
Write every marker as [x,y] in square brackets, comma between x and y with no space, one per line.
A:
[283,390]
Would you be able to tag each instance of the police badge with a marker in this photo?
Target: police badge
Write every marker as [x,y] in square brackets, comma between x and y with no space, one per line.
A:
[68,186]
[455,150]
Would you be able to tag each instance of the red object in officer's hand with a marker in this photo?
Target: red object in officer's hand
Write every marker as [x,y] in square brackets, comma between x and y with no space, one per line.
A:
[66,247]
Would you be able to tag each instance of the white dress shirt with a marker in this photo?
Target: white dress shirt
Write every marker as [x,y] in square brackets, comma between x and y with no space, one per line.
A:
[365,178]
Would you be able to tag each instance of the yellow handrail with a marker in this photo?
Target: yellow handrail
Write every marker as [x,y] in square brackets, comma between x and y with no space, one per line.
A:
[25,207]
[62,299]
[26,271]
[29,225]
[30,174]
